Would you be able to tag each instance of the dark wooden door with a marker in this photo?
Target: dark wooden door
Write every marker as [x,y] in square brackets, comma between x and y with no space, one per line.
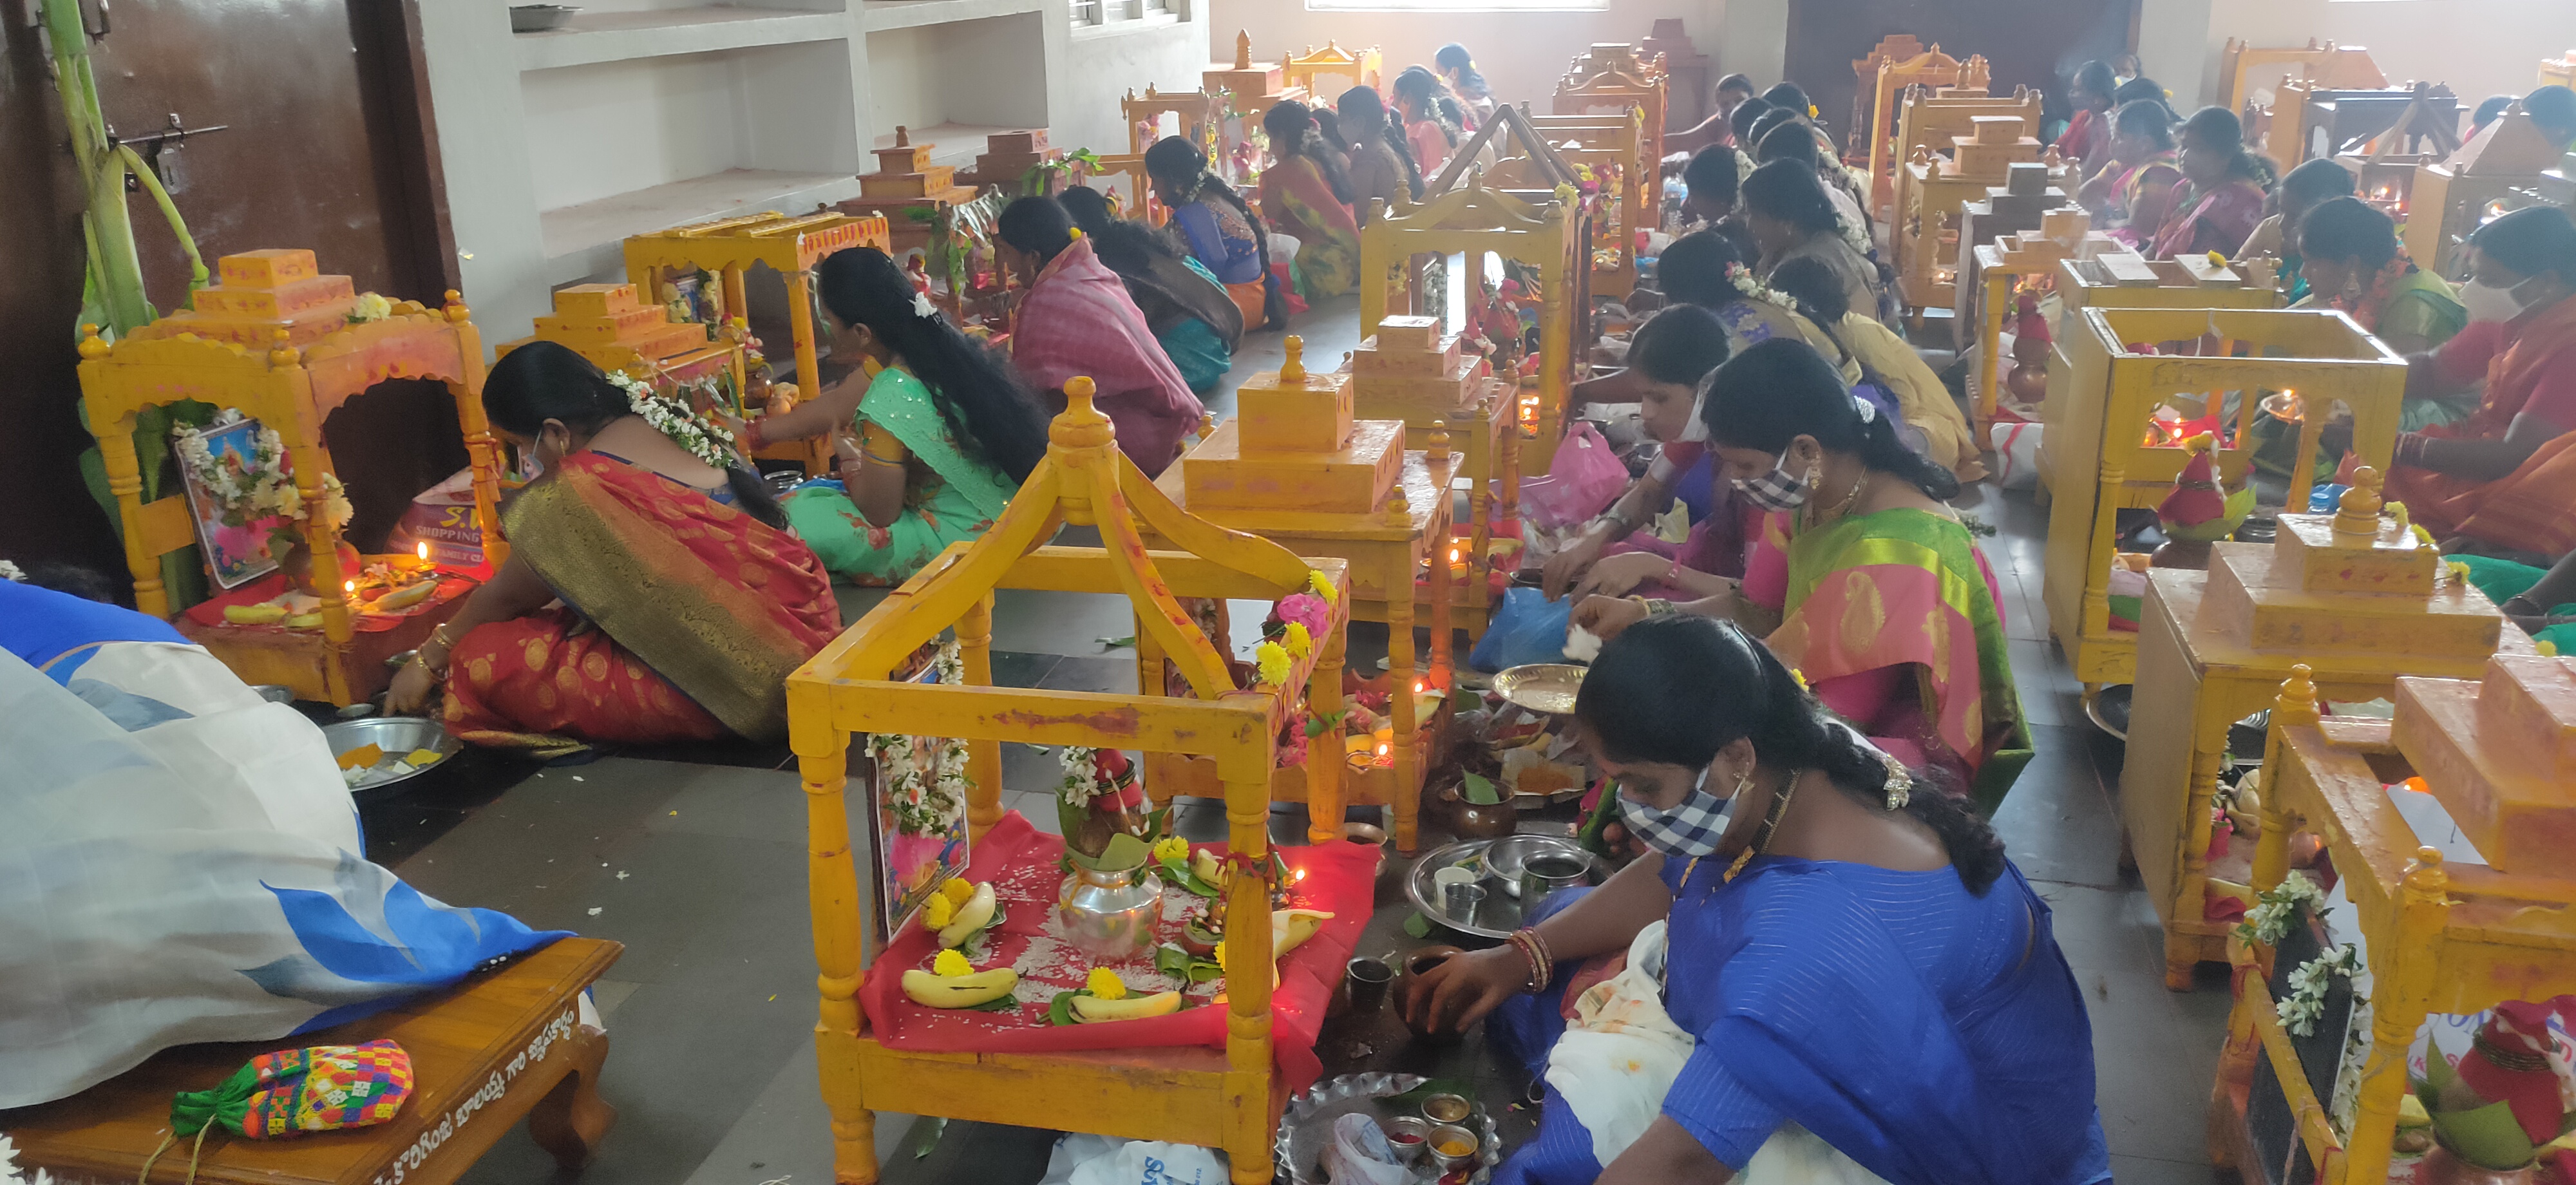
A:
[329,147]
[2035,43]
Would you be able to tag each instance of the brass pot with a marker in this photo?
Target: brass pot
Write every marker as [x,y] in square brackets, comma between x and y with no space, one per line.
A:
[2442,1168]
[1408,974]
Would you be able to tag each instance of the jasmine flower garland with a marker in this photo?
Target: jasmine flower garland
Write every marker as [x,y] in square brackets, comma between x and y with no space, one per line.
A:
[1081,781]
[2269,921]
[1743,279]
[12,572]
[926,801]
[672,418]
[2307,999]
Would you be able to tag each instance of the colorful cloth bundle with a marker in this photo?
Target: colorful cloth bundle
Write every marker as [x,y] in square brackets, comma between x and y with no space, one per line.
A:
[318,1088]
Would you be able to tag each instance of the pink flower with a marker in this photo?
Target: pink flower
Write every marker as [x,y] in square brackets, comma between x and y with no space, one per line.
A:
[1305,609]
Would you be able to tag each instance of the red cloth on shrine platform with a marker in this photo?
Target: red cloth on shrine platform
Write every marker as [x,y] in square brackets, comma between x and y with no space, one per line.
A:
[210,612]
[1023,864]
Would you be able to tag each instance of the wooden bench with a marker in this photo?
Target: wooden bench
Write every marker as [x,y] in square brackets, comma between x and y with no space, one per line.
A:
[504,1045]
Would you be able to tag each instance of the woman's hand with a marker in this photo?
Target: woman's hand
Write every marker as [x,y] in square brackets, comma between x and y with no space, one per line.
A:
[1606,617]
[1463,988]
[412,689]
[1569,565]
[1613,577]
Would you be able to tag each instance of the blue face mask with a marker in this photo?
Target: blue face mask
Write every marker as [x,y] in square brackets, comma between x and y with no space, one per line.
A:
[1691,827]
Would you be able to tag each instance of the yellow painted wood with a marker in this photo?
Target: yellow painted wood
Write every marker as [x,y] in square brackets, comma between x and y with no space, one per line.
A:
[2102,396]
[1928,120]
[1388,385]
[1616,150]
[1228,1100]
[1612,76]
[308,361]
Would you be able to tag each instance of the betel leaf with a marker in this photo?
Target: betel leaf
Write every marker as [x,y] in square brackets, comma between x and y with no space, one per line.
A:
[996,1004]
[1479,790]
[1418,926]
[1060,1009]
[1110,643]
[1179,873]
[1122,853]
[1171,960]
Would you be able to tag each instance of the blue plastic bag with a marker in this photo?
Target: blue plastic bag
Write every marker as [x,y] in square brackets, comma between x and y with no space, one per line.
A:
[1528,628]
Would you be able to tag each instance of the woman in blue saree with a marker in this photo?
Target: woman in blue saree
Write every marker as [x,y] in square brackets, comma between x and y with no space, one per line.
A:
[1856,980]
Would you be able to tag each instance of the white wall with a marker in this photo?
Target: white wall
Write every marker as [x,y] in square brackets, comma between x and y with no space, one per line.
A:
[1110,61]
[1521,54]
[2479,47]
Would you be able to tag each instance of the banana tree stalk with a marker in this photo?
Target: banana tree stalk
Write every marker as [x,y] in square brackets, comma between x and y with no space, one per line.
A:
[114,286]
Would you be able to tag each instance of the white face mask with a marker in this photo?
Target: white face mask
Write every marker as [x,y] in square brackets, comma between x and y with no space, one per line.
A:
[2486,302]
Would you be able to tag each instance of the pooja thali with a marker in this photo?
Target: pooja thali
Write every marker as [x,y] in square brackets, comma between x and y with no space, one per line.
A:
[1306,1125]
[1501,910]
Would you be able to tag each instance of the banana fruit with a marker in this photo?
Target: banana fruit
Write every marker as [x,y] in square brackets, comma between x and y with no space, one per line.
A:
[1289,927]
[254,614]
[970,917]
[1088,1009]
[959,991]
[1205,866]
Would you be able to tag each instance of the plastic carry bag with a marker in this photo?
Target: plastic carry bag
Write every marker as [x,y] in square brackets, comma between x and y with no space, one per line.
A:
[1082,1159]
[2016,447]
[1528,628]
[1585,477]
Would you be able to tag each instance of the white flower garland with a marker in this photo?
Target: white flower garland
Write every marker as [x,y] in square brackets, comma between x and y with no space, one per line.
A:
[671,417]
[1081,782]
[1743,165]
[2269,921]
[2307,999]
[1852,236]
[1745,282]
[370,306]
[925,804]
[12,573]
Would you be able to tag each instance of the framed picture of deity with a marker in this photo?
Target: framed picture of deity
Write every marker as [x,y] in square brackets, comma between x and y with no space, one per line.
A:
[917,796]
[232,474]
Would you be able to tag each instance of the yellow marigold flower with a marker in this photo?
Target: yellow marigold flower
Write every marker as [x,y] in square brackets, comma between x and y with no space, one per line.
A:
[951,964]
[1322,587]
[2218,259]
[958,890]
[1270,659]
[1801,677]
[938,911]
[1171,847]
[1105,984]
[1299,642]
[371,306]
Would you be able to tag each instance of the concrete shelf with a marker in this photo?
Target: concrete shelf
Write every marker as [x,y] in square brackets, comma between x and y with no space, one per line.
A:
[591,38]
[883,15]
[587,238]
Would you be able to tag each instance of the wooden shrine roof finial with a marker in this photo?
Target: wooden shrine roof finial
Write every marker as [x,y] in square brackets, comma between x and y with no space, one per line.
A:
[1242,49]
[2297,703]
[1294,369]
[902,136]
[91,344]
[2357,512]
[1081,425]
[280,353]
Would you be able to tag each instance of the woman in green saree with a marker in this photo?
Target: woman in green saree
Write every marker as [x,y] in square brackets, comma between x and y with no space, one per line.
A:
[932,439]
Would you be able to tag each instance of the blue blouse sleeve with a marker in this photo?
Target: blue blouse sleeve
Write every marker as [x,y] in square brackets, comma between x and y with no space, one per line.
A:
[1198,224]
[1715,1108]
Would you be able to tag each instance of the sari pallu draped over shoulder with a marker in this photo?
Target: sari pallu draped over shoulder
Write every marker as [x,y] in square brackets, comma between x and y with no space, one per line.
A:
[2532,508]
[718,604]
[1902,587]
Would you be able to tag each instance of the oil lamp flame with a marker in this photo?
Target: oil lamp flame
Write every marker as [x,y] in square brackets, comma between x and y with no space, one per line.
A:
[422,551]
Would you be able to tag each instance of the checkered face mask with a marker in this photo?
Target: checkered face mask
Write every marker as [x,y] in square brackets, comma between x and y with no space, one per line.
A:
[1776,490]
[1691,828]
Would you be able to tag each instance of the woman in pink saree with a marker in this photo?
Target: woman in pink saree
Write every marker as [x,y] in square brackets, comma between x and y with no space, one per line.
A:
[1076,318]
[2220,198]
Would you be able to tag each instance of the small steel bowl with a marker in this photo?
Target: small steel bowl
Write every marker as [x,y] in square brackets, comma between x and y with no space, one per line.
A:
[1452,1135]
[1544,687]
[1448,1109]
[1409,1137]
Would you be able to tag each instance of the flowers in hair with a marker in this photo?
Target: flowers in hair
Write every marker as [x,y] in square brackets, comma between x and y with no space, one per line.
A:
[672,418]
[1745,282]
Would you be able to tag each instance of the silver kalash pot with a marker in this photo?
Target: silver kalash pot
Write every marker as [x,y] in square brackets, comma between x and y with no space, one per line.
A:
[1109,915]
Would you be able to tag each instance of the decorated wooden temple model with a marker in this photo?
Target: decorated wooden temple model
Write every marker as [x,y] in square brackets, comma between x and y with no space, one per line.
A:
[2020,205]
[2011,265]
[1608,153]
[1883,78]
[2497,172]
[1412,371]
[1020,162]
[284,344]
[2360,597]
[1215,1075]
[1325,73]
[1610,77]
[2448,828]
[2247,74]
[1926,232]
[909,191]
[2130,386]
[1250,89]
[1931,119]
[727,249]
[1297,467]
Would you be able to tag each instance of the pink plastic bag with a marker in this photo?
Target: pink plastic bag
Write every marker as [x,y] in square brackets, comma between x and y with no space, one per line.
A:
[1584,479]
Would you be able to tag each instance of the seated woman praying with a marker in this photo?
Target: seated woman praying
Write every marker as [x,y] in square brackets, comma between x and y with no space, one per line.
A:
[2503,481]
[1474,95]
[652,594]
[1859,532]
[1191,314]
[1705,269]
[1613,554]
[2220,197]
[1887,366]
[1431,118]
[1221,229]
[1382,168]
[2088,130]
[2128,195]
[1798,143]
[1791,218]
[2350,259]
[2277,236]
[1075,318]
[930,448]
[1832,970]
[1307,195]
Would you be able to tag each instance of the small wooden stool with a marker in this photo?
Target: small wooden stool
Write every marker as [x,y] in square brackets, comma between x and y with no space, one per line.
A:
[502,1046]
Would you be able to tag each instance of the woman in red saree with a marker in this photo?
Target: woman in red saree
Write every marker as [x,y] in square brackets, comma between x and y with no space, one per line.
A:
[2505,478]
[2220,198]
[652,592]
[2137,180]
[1075,318]
[1307,195]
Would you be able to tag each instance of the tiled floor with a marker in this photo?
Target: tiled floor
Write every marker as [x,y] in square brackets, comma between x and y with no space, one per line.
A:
[695,860]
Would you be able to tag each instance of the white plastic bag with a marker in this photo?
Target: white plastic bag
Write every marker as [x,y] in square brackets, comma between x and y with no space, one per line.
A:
[1360,1155]
[1081,1159]
[2016,455]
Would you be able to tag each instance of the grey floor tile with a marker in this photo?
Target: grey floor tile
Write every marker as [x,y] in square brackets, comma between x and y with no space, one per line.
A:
[1075,673]
[2057,823]
[2154,1052]
[1021,668]
[2049,695]
[2139,1170]
[2111,932]
[1039,622]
